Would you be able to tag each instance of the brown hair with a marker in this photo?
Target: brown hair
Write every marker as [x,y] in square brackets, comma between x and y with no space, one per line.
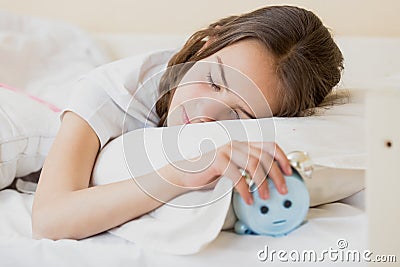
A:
[308,62]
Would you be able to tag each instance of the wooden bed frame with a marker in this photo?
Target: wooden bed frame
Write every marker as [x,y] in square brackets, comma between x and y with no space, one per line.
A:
[383,183]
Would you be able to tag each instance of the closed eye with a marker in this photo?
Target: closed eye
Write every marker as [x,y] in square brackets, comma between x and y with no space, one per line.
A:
[217,88]
[223,77]
[247,113]
[235,114]
[212,83]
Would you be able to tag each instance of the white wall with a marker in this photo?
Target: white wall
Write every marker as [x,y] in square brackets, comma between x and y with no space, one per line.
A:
[345,17]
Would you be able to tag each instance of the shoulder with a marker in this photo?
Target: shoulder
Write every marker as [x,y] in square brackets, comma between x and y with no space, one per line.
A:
[124,75]
[140,62]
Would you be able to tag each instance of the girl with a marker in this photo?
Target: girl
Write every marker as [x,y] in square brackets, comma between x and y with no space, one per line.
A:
[285,51]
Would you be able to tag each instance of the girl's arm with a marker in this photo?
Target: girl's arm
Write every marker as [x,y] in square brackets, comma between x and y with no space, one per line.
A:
[64,206]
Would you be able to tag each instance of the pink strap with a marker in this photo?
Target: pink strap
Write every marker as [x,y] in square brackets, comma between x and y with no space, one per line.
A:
[37,99]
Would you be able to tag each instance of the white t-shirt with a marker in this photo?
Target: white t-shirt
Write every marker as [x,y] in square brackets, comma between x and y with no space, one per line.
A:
[120,96]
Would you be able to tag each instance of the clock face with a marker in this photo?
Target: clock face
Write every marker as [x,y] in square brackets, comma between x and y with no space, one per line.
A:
[279,214]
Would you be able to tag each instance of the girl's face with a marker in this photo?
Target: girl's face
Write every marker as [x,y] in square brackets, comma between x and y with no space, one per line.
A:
[237,82]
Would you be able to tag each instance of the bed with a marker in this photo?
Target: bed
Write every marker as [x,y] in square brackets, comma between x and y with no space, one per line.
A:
[59,52]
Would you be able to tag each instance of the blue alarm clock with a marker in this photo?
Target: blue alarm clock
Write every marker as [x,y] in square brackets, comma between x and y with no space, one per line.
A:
[279,214]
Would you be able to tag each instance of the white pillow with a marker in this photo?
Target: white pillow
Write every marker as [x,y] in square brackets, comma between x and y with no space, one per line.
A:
[27,130]
[334,139]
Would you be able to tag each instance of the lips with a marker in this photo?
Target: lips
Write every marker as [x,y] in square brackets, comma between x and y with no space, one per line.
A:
[185,117]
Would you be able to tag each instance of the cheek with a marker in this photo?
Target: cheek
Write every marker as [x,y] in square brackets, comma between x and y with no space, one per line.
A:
[188,92]
[194,83]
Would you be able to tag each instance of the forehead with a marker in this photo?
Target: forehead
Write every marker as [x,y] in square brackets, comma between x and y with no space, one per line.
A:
[250,73]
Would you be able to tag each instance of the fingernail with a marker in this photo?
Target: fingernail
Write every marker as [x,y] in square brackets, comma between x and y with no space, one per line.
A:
[284,189]
[289,170]
[250,201]
[264,195]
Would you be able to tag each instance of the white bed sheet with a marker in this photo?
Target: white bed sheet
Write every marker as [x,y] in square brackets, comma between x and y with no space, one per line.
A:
[326,224]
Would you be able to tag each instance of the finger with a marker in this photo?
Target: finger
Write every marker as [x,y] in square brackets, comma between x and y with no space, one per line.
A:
[254,156]
[243,189]
[264,161]
[233,173]
[259,176]
[248,158]
[263,189]
[230,170]
[277,153]
[283,161]
[272,168]
[276,176]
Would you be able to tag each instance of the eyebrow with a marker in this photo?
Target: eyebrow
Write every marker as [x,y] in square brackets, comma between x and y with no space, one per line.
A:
[222,72]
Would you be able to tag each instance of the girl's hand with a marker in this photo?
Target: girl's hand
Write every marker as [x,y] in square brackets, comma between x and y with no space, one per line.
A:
[259,159]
